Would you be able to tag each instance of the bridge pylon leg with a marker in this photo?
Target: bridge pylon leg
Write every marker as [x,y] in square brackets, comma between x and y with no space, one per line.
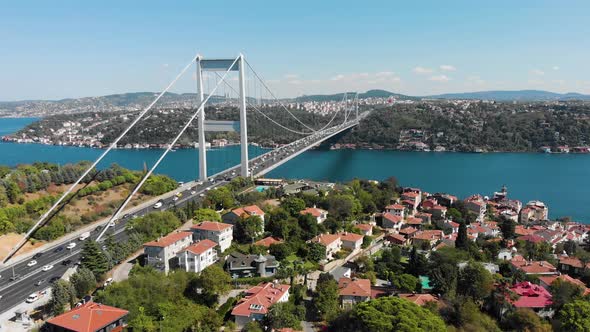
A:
[201,123]
[243,125]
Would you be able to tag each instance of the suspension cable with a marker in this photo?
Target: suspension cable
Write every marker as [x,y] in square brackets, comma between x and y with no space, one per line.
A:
[170,146]
[91,167]
[272,94]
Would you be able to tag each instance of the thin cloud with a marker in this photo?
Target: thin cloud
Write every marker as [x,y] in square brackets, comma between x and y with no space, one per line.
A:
[291,76]
[439,78]
[384,74]
[447,68]
[538,72]
[422,70]
[555,68]
[337,77]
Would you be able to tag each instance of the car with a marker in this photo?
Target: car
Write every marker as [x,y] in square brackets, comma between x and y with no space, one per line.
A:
[66,262]
[37,255]
[158,205]
[58,249]
[98,228]
[47,267]
[208,188]
[0,297]
[201,195]
[175,198]
[40,282]
[111,224]
[134,216]
[32,263]
[108,282]
[71,246]
[180,183]
[15,277]
[125,216]
[193,192]
[84,236]
[32,298]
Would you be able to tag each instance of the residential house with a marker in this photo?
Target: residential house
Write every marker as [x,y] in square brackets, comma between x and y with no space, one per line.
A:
[240,265]
[268,241]
[534,211]
[547,281]
[408,231]
[531,296]
[353,291]
[396,239]
[366,229]
[218,232]
[332,242]
[89,317]
[533,267]
[351,241]
[426,217]
[319,214]
[161,254]
[198,256]
[396,210]
[448,225]
[257,301]
[476,205]
[420,299]
[392,222]
[234,215]
[571,265]
[427,237]
[413,195]
[414,222]
[445,199]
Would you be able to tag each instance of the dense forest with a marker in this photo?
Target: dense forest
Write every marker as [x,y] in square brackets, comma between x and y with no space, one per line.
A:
[477,125]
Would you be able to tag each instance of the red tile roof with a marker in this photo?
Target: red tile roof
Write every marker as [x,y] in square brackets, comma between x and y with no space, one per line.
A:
[249,210]
[267,241]
[397,238]
[531,238]
[200,247]
[211,226]
[530,296]
[313,211]
[419,299]
[414,221]
[393,218]
[395,207]
[549,280]
[354,287]
[168,239]
[364,227]
[259,299]
[326,239]
[533,267]
[89,317]
[350,237]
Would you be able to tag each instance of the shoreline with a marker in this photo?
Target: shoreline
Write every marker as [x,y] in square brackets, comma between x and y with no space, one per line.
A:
[136,146]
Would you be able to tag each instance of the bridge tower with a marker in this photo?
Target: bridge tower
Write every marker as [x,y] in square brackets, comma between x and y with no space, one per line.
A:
[222,65]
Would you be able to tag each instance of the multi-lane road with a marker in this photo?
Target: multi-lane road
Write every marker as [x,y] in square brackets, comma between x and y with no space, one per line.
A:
[31,279]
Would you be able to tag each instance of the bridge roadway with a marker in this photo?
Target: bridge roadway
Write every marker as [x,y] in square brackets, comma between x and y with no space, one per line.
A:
[34,279]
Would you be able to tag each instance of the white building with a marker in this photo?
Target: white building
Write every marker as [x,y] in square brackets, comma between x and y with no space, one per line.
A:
[218,232]
[198,256]
[159,253]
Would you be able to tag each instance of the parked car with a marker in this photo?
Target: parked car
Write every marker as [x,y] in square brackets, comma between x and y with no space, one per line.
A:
[32,298]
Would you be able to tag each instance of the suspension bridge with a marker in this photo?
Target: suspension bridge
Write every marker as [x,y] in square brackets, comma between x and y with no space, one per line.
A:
[234,83]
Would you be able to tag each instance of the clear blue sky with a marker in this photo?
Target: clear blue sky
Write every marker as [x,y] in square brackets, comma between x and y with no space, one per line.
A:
[59,49]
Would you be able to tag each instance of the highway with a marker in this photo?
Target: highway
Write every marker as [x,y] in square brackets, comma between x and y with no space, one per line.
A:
[33,279]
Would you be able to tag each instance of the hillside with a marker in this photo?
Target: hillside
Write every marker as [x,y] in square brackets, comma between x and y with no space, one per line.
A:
[517,95]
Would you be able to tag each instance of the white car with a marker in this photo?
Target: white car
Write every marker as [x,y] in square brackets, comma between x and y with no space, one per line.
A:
[32,263]
[201,195]
[47,267]
[108,282]
[208,188]
[175,198]
[158,205]
[71,246]
[112,224]
[193,192]
[32,298]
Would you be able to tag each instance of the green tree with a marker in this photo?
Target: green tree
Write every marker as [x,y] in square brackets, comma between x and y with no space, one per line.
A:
[462,241]
[280,250]
[575,316]
[83,281]
[142,322]
[508,228]
[157,185]
[206,215]
[94,259]
[215,280]
[154,225]
[285,314]
[404,282]
[252,326]
[417,264]
[387,314]
[293,205]
[219,198]
[326,300]
[343,206]
[564,292]
[316,252]
[475,281]
[248,228]
[62,294]
[525,319]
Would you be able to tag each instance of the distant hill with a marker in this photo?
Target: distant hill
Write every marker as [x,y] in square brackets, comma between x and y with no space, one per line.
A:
[518,95]
[368,94]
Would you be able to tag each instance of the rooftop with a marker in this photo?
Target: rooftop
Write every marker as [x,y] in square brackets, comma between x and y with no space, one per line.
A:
[168,239]
[88,317]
